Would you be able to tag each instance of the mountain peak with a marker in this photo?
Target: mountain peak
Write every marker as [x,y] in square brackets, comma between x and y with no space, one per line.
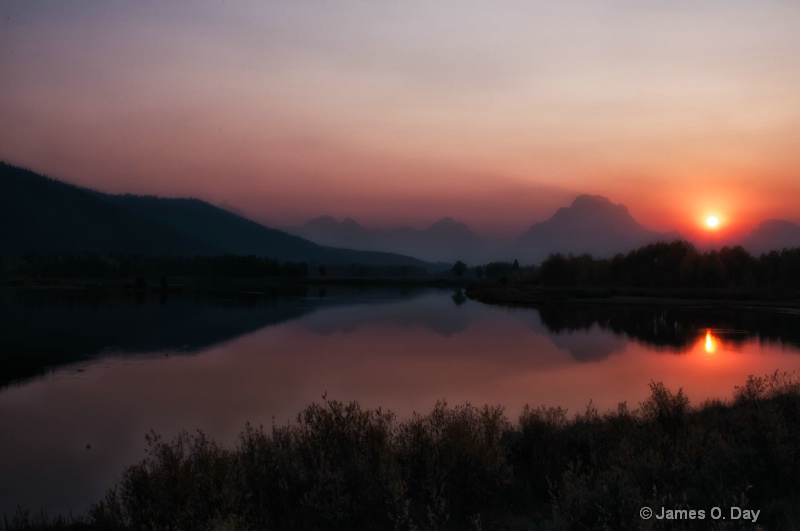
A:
[322,222]
[772,235]
[451,228]
[597,203]
[350,224]
[592,213]
[591,199]
[447,221]
[778,224]
[591,224]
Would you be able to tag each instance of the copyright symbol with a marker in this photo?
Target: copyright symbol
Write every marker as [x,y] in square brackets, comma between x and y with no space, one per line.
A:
[645,513]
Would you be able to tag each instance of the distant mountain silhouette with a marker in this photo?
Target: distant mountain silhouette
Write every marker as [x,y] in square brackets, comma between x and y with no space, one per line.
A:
[592,224]
[326,230]
[451,229]
[773,234]
[446,240]
[44,216]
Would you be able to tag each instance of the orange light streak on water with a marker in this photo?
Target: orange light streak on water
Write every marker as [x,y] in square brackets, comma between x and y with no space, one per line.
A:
[711,343]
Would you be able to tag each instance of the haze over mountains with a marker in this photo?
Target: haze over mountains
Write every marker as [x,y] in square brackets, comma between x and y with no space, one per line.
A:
[446,240]
[592,224]
[46,216]
[773,234]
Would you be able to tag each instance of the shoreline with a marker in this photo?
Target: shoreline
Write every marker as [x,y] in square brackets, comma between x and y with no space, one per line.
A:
[522,295]
[493,293]
[229,284]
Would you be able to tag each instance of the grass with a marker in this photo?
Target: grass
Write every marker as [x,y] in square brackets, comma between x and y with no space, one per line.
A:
[339,466]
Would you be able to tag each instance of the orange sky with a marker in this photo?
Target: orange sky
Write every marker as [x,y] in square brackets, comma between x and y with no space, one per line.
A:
[496,114]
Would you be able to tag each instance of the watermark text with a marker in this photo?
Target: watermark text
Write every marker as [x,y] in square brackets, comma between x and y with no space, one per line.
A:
[715,513]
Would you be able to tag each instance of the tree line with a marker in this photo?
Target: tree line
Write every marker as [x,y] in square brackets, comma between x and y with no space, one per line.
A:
[109,266]
[102,266]
[675,265]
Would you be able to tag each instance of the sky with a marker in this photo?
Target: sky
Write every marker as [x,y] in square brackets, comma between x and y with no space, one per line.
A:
[494,113]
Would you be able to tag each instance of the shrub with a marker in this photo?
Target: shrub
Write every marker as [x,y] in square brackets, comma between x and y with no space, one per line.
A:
[343,467]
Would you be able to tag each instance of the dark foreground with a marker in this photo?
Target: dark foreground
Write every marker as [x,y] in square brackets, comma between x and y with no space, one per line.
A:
[719,465]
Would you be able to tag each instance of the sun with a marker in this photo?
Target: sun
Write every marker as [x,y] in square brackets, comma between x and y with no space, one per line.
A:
[712,222]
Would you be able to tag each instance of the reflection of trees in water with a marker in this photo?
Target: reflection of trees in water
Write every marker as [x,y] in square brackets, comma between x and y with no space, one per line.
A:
[661,327]
[40,331]
[781,326]
[458,298]
[677,328]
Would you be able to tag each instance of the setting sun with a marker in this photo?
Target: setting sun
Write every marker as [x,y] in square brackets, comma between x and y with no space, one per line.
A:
[712,222]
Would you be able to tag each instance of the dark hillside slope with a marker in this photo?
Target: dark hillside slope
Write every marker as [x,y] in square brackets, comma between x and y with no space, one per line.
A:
[238,235]
[44,216]
[217,227]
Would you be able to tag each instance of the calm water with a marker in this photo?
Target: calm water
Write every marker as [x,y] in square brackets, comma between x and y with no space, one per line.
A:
[85,377]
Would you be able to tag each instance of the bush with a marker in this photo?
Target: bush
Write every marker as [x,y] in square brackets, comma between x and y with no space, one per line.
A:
[342,467]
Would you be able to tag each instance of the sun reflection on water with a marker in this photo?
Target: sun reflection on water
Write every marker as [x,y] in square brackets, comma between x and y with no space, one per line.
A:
[711,343]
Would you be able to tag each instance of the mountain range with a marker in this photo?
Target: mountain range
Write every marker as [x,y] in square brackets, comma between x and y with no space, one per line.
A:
[591,224]
[446,240]
[45,216]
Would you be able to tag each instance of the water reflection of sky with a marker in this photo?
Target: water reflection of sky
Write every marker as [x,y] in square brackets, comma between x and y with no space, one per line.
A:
[70,433]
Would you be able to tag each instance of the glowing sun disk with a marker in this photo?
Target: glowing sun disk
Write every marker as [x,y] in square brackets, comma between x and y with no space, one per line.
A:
[712,222]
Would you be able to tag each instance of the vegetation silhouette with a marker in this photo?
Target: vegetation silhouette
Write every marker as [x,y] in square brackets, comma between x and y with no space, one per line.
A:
[459,268]
[458,298]
[676,265]
[674,270]
[339,466]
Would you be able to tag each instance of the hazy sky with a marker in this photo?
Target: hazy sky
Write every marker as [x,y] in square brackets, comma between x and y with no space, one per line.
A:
[495,113]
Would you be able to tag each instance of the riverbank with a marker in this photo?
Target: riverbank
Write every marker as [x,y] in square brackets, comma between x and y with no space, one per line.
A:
[228,285]
[511,294]
[520,294]
[343,467]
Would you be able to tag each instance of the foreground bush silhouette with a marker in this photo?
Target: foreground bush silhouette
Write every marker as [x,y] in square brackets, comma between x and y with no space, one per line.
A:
[341,467]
